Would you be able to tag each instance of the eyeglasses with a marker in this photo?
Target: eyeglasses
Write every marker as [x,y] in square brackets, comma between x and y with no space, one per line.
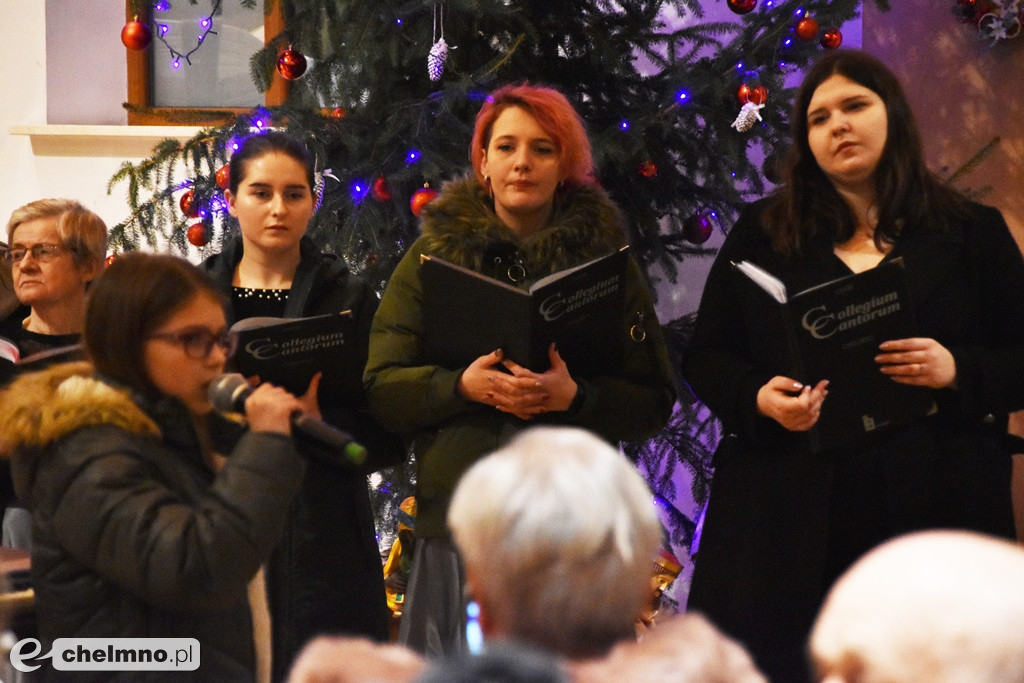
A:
[44,253]
[198,342]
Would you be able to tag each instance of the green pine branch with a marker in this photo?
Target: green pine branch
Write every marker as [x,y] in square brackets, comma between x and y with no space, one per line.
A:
[652,98]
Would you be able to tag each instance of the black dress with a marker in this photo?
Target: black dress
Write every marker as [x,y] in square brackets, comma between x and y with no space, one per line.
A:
[326,574]
[782,522]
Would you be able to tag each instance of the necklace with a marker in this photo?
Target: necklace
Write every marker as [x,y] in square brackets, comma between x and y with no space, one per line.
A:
[266,294]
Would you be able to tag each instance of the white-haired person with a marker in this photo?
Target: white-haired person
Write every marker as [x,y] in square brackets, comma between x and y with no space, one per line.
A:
[556,531]
[937,606]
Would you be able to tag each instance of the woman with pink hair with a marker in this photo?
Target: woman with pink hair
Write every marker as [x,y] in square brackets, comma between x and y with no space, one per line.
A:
[531,207]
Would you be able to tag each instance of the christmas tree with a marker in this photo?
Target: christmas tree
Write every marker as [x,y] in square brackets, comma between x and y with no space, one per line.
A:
[681,112]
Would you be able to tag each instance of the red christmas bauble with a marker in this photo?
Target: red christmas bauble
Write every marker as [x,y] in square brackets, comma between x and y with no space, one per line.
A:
[971,11]
[381,192]
[421,198]
[647,169]
[758,94]
[831,39]
[136,35]
[110,259]
[197,235]
[807,28]
[291,64]
[338,113]
[224,177]
[742,6]
[187,204]
[698,228]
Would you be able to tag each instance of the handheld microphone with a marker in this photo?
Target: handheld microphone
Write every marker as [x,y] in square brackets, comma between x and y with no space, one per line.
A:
[228,393]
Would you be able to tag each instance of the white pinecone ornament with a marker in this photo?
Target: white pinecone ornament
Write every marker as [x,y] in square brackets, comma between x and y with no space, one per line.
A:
[436,59]
[320,185]
[749,113]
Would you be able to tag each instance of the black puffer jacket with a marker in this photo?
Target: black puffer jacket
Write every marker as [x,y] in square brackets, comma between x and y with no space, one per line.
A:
[134,536]
[326,574]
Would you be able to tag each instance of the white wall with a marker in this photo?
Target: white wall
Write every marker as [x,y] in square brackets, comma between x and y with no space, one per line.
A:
[86,75]
[91,32]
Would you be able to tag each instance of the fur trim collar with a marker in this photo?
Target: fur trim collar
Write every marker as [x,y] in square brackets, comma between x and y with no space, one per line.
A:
[460,225]
[39,408]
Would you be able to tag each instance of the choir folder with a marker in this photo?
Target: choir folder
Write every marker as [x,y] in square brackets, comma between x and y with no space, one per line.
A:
[289,351]
[832,331]
[581,309]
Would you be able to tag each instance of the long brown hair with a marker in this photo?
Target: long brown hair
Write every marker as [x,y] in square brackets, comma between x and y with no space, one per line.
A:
[906,191]
[136,294]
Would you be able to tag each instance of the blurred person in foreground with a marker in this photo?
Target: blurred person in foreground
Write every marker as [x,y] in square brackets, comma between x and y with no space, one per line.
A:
[936,606]
[683,648]
[556,530]
[151,513]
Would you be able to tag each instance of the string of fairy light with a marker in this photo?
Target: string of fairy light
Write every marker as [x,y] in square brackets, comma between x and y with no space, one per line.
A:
[752,96]
[163,29]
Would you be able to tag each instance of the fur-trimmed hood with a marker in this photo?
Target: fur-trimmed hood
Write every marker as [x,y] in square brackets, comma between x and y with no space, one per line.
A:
[460,226]
[39,408]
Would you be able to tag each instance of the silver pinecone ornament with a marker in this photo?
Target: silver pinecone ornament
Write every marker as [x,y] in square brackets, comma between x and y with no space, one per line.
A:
[436,59]
[749,113]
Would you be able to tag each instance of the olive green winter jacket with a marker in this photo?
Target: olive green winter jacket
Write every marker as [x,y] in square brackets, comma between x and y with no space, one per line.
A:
[630,401]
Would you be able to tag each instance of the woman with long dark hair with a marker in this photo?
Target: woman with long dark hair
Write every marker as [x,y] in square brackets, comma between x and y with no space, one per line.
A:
[782,521]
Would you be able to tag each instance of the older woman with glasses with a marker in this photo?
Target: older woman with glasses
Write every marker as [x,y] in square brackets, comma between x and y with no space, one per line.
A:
[56,248]
[151,513]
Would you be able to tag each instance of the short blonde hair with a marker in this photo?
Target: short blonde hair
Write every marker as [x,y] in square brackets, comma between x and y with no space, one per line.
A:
[79,229]
[557,529]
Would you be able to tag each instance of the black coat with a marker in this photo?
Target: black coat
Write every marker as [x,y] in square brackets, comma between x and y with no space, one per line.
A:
[782,523]
[326,575]
[134,536]
[28,343]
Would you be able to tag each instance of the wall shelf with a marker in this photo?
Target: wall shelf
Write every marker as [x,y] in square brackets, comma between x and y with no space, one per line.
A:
[100,141]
